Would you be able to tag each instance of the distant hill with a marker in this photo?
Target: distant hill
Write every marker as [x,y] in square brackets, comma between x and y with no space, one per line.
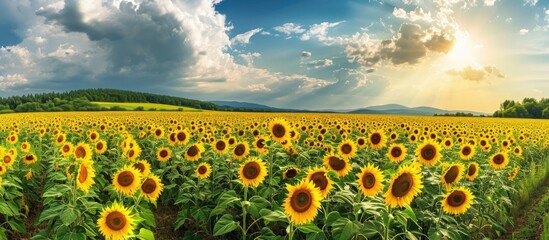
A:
[244,106]
[403,110]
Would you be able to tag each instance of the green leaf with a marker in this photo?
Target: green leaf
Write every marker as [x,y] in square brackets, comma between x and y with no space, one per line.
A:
[332,217]
[225,225]
[226,199]
[68,216]
[273,216]
[3,234]
[6,210]
[145,234]
[17,225]
[344,228]
[256,204]
[308,228]
[148,215]
[410,213]
[56,191]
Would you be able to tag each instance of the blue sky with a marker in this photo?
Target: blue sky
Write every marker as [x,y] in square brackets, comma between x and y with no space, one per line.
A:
[451,54]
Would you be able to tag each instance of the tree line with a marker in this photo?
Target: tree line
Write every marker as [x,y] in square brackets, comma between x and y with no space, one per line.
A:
[80,100]
[528,108]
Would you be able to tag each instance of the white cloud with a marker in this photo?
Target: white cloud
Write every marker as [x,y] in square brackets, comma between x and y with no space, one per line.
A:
[418,14]
[9,81]
[523,31]
[289,28]
[476,74]
[530,2]
[305,54]
[509,20]
[249,58]
[265,33]
[319,31]
[320,63]
[489,2]
[244,38]
[258,88]
[63,51]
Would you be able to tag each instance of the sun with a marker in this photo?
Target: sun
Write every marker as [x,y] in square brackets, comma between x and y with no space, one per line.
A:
[464,52]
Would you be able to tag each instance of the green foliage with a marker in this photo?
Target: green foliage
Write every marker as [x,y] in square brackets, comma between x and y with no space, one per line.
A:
[529,108]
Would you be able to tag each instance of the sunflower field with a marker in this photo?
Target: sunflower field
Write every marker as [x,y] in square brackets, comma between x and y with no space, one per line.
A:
[213,175]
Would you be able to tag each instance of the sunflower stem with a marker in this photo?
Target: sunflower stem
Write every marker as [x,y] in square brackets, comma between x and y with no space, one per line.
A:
[244,229]
[291,235]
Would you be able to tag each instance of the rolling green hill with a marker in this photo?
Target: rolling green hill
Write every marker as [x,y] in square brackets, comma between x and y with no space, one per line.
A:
[146,106]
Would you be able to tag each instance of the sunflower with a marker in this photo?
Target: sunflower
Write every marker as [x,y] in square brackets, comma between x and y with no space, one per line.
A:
[302,202]
[452,175]
[163,154]
[193,152]
[127,180]
[116,222]
[393,136]
[517,151]
[60,139]
[100,147]
[448,143]
[370,179]
[67,149]
[280,129]
[151,187]
[377,139]
[25,147]
[83,152]
[397,153]
[143,167]
[457,201]
[241,150]
[514,173]
[260,145]
[159,133]
[29,159]
[252,172]
[405,185]
[291,172]
[499,160]
[337,164]
[361,142]
[3,169]
[319,176]
[182,137]
[93,136]
[220,146]
[472,171]
[7,160]
[467,151]
[172,140]
[428,153]
[347,149]
[203,170]
[86,173]
[133,152]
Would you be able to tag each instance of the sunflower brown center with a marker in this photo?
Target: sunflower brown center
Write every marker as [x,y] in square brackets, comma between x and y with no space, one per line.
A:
[517,150]
[116,220]
[466,151]
[24,146]
[7,159]
[291,173]
[93,136]
[83,174]
[172,137]
[202,169]
[428,152]
[239,150]
[80,152]
[181,136]
[131,153]
[251,170]
[451,175]
[456,199]
[29,158]
[483,143]
[125,178]
[301,200]
[260,143]
[336,163]
[346,148]
[220,145]
[498,159]
[139,166]
[279,130]
[447,143]
[60,139]
[148,186]
[368,180]
[361,141]
[375,138]
[192,151]
[163,153]
[158,132]
[505,144]
[320,180]
[471,170]
[402,185]
[393,136]
[396,152]
[99,146]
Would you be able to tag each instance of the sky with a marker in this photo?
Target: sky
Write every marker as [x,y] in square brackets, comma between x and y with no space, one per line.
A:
[309,54]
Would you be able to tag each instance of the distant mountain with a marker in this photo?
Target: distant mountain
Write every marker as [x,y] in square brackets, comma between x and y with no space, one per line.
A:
[403,110]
